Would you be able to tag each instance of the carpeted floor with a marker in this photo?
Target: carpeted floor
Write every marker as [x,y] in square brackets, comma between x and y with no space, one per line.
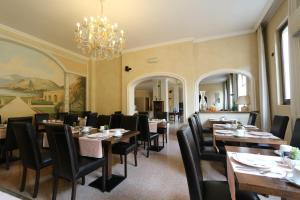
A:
[159,177]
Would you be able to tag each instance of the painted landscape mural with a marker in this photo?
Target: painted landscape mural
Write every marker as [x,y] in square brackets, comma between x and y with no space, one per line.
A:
[30,82]
[77,93]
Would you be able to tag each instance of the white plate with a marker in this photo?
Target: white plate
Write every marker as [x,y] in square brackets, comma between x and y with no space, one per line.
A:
[252,161]
[224,132]
[118,135]
[292,181]
[95,135]
[117,129]
[261,134]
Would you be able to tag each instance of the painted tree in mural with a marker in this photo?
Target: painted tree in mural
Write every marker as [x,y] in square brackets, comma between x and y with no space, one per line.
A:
[77,88]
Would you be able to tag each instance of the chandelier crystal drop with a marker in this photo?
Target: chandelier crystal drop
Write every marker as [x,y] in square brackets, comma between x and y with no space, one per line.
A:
[96,37]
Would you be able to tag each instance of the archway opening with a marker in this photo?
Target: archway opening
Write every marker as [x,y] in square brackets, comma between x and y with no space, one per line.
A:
[158,93]
[225,90]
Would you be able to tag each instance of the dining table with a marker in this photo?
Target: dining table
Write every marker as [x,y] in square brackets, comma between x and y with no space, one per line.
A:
[251,134]
[112,180]
[263,173]
[2,132]
[212,121]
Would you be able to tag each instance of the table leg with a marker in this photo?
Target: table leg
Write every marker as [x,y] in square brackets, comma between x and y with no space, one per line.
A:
[108,157]
[231,179]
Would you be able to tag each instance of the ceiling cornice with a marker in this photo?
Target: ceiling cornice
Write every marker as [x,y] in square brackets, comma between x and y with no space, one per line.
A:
[263,14]
[158,45]
[53,47]
[234,34]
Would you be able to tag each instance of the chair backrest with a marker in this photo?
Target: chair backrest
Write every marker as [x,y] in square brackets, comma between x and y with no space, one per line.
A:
[191,162]
[195,132]
[295,141]
[115,121]
[27,143]
[129,122]
[118,112]
[63,151]
[104,120]
[279,125]
[39,117]
[199,126]
[144,113]
[61,115]
[10,140]
[252,118]
[161,115]
[92,120]
[70,119]
[85,113]
[143,126]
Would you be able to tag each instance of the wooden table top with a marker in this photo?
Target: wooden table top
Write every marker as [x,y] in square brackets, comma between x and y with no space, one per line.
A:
[258,140]
[262,184]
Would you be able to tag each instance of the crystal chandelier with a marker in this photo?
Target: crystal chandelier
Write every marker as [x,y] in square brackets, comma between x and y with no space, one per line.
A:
[96,37]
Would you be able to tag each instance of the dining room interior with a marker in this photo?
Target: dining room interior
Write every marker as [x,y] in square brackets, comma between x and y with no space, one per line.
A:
[137,99]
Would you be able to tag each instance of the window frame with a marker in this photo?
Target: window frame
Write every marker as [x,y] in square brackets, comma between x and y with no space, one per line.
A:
[283,100]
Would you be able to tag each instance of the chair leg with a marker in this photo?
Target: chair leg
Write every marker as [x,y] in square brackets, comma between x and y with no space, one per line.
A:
[144,145]
[135,156]
[7,160]
[148,149]
[74,185]
[125,165]
[163,135]
[121,159]
[166,137]
[23,182]
[37,183]
[55,185]
[83,180]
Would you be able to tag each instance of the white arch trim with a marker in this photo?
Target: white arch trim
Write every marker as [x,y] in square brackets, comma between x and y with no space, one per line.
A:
[132,84]
[252,91]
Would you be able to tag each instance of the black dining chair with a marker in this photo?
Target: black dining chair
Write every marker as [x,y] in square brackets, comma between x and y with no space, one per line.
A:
[31,156]
[103,120]
[85,113]
[39,118]
[10,142]
[199,189]
[61,115]
[67,163]
[71,119]
[205,140]
[115,121]
[145,135]
[124,148]
[252,118]
[205,152]
[279,126]
[92,120]
[295,141]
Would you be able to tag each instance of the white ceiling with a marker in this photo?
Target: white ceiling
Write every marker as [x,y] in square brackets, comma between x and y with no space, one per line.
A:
[146,22]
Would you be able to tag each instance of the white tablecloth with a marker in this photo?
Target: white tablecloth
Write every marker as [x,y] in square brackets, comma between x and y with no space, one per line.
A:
[90,147]
[153,127]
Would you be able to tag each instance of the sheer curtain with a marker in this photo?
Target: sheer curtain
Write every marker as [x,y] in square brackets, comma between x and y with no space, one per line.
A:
[263,82]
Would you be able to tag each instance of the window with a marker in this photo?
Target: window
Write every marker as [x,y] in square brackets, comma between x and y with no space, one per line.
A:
[242,85]
[285,64]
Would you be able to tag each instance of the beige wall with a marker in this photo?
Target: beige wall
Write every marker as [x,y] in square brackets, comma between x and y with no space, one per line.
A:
[187,61]
[271,30]
[106,76]
[190,60]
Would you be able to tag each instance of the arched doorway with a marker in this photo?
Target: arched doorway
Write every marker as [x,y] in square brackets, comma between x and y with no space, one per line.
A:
[132,85]
[252,85]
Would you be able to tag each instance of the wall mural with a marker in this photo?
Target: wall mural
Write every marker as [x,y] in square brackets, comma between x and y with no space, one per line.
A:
[77,93]
[31,82]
